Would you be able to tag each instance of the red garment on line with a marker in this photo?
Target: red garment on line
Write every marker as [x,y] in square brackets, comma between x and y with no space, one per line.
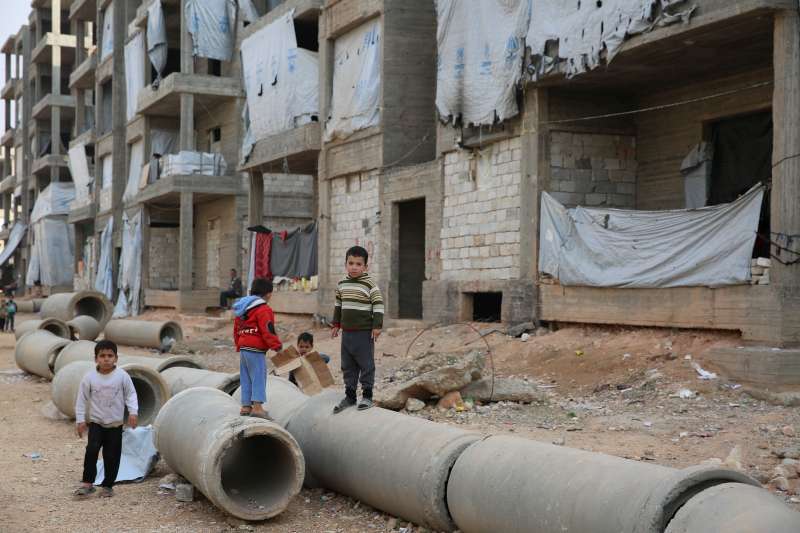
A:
[263,249]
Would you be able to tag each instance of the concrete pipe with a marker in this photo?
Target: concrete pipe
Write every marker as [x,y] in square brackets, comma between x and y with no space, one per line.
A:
[74,351]
[249,467]
[393,462]
[84,327]
[151,389]
[36,352]
[182,378]
[68,305]
[284,399]
[734,508]
[29,306]
[161,335]
[518,485]
[84,351]
[55,326]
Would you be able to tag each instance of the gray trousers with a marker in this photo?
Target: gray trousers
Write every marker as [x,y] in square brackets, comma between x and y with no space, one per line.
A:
[358,362]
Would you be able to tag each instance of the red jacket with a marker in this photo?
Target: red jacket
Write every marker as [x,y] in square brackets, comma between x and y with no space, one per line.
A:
[254,329]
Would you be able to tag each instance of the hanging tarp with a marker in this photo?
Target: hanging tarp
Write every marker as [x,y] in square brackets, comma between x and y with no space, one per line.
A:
[481,46]
[709,247]
[107,45]
[186,163]
[79,169]
[54,200]
[163,142]
[104,282]
[696,170]
[356,98]
[14,238]
[134,171]
[157,47]
[52,253]
[590,32]
[134,73]
[130,267]
[294,254]
[247,11]
[211,25]
[108,172]
[281,80]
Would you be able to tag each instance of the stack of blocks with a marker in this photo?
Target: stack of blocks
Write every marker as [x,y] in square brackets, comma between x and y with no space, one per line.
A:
[759,270]
[310,371]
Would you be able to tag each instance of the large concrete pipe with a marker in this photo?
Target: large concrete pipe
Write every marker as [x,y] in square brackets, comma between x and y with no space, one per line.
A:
[284,399]
[74,351]
[182,378]
[515,485]
[396,463]
[68,305]
[249,467]
[161,335]
[151,389]
[29,306]
[734,508]
[84,327]
[57,327]
[84,351]
[36,352]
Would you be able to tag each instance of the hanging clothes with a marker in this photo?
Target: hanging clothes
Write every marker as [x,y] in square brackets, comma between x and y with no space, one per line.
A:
[261,267]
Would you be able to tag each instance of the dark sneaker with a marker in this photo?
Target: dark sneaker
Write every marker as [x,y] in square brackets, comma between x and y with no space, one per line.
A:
[106,492]
[83,491]
[344,404]
[365,404]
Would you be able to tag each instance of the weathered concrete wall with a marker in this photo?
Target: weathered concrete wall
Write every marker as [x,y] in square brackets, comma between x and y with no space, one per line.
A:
[216,234]
[163,271]
[288,200]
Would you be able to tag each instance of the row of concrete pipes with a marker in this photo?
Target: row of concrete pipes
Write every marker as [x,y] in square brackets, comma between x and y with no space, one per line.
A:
[435,475]
[85,315]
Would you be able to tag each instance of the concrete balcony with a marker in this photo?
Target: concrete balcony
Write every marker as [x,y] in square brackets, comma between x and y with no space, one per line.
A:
[304,10]
[86,138]
[42,53]
[298,148]
[42,165]
[8,138]
[167,190]
[8,184]
[82,212]
[10,89]
[83,75]
[105,69]
[43,107]
[208,91]
[83,10]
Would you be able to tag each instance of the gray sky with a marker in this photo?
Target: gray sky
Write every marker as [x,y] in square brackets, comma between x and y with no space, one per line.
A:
[13,14]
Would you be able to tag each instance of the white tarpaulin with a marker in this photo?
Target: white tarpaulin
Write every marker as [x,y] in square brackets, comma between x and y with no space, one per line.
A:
[139,456]
[696,170]
[481,46]
[130,267]
[163,142]
[710,247]
[186,163]
[134,171]
[280,79]
[79,169]
[104,282]
[52,253]
[157,46]
[108,171]
[14,238]
[107,45]
[356,98]
[247,11]
[53,201]
[134,72]
[211,26]
[585,30]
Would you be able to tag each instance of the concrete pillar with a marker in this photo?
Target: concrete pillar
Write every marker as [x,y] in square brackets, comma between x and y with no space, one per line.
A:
[186,242]
[118,122]
[55,88]
[256,212]
[187,100]
[784,216]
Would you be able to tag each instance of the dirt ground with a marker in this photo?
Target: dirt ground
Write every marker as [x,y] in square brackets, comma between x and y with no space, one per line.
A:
[610,390]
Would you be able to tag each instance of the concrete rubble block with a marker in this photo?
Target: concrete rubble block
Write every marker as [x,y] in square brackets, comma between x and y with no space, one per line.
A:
[85,352]
[518,485]
[284,399]
[393,462]
[36,352]
[519,329]
[151,389]
[84,327]
[57,327]
[432,375]
[68,305]
[503,390]
[181,378]
[160,335]
[248,467]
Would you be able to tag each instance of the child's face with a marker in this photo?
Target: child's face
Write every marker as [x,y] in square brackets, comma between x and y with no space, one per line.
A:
[106,360]
[303,347]
[355,266]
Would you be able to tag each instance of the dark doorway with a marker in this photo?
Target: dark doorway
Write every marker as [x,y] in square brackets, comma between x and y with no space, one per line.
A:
[486,306]
[411,257]
[742,158]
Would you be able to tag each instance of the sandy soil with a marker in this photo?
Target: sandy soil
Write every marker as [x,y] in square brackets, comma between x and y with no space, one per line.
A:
[610,390]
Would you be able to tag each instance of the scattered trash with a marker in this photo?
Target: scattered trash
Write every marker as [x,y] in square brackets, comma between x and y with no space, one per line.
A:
[524,337]
[626,356]
[35,456]
[688,357]
[686,394]
[184,492]
[387,354]
[579,352]
[647,424]
[704,374]
[683,434]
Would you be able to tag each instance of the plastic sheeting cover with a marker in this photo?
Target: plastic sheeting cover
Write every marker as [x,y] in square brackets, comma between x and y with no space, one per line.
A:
[211,26]
[130,267]
[134,73]
[79,169]
[106,165]
[295,256]
[53,201]
[696,170]
[134,171]
[157,46]
[107,45]
[584,30]
[356,95]
[281,80]
[104,282]
[481,47]
[710,247]
[139,456]
[185,163]
[14,238]
[248,11]
[52,253]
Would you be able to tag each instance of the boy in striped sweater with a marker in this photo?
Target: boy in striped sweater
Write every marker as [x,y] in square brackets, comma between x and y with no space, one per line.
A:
[359,315]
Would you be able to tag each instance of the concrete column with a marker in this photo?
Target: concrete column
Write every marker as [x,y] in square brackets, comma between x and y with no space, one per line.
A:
[535,177]
[79,29]
[145,248]
[119,118]
[187,122]
[55,89]
[186,242]
[256,212]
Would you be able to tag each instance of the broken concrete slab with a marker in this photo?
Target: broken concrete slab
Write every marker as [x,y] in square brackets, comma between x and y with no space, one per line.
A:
[519,329]
[503,390]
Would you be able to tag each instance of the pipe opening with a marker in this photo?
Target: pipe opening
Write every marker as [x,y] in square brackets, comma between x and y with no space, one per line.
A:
[256,472]
[672,507]
[170,334]
[56,328]
[230,387]
[179,363]
[92,307]
[148,400]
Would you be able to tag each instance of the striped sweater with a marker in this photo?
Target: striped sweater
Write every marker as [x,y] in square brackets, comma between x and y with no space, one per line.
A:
[359,304]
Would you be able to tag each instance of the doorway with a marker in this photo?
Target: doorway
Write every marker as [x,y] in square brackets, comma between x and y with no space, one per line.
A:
[411,257]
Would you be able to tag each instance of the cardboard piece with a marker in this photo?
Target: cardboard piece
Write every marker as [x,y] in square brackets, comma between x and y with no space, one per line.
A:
[313,375]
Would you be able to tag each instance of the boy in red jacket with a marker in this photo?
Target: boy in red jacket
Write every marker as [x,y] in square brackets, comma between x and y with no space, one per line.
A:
[254,334]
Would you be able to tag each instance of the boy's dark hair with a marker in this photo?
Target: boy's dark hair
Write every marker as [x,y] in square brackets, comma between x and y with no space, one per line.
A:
[104,345]
[357,251]
[260,287]
[306,337]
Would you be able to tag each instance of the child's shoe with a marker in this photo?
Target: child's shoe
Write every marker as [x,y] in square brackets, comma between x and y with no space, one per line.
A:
[106,492]
[365,404]
[346,402]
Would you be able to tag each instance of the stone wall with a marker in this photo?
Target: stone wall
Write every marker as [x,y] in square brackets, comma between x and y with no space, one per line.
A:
[163,265]
[593,169]
[288,201]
